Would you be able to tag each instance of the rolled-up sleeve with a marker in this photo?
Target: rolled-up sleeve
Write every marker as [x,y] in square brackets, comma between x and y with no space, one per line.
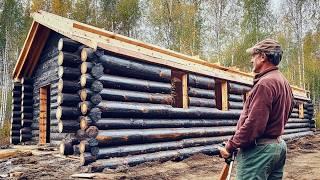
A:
[260,104]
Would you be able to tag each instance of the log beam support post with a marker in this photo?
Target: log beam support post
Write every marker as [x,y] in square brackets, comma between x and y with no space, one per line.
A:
[301,111]
[179,81]
[221,92]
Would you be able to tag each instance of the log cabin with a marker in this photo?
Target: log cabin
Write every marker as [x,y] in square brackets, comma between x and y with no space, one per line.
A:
[113,100]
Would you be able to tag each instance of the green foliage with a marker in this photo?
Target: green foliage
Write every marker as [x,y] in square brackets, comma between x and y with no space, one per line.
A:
[177,24]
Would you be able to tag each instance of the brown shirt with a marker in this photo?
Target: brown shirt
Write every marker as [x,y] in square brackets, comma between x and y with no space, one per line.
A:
[266,110]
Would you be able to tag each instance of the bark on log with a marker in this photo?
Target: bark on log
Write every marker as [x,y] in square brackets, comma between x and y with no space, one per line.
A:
[96,86]
[26,95]
[296,135]
[15,133]
[65,86]
[88,54]
[201,82]
[135,69]
[15,140]
[238,88]
[235,98]
[25,130]
[68,73]
[202,102]
[96,99]
[117,82]
[120,151]
[66,148]
[65,112]
[298,130]
[99,165]
[132,136]
[68,45]
[95,114]
[27,109]
[201,93]
[97,71]
[26,115]
[26,102]
[86,158]
[25,137]
[120,109]
[81,134]
[92,132]
[235,105]
[131,123]
[68,126]
[26,122]
[64,99]
[134,96]
[296,125]
[86,67]
[68,59]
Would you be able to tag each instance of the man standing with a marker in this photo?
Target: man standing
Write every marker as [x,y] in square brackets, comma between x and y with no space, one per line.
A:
[266,110]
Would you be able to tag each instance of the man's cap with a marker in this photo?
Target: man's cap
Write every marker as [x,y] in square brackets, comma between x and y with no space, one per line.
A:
[266,46]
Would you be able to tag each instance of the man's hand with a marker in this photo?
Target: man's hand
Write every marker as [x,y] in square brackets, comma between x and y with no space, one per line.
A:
[224,153]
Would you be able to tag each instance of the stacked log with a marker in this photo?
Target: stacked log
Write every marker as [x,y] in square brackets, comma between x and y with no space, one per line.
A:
[67,100]
[26,110]
[16,113]
[237,95]
[201,91]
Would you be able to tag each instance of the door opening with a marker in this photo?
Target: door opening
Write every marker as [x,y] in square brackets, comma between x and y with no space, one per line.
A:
[44,119]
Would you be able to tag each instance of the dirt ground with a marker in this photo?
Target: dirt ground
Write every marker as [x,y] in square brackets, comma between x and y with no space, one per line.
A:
[303,162]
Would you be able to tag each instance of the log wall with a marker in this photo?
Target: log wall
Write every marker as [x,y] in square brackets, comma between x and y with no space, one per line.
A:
[114,110]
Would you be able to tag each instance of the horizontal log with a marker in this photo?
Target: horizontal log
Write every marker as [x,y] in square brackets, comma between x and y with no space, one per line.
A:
[26,122]
[27,88]
[135,96]
[238,88]
[66,148]
[95,114]
[96,99]
[68,45]
[135,69]
[81,134]
[86,158]
[97,71]
[92,132]
[96,86]
[85,122]
[85,107]
[25,130]
[16,114]
[86,67]
[201,93]
[131,123]
[68,73]
[162,156]
[15,133]
[235,98]
[15,140]
[292,136]
[68,99]
[68,126]
[76,150]
[16,93]
[26,95]
[120,151]
[27,109]
[202,102]
[68,59]
[16,120]
[117,82]
[89,55]
[27,102]
[120,109]
[294,115]
[131,136]
[201,82]
[235,105]
[296,125]
[16,107]
[65,112]
[26,115]
[65,86]
[297,130]
[25,137]
[26,81]
[16,100]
